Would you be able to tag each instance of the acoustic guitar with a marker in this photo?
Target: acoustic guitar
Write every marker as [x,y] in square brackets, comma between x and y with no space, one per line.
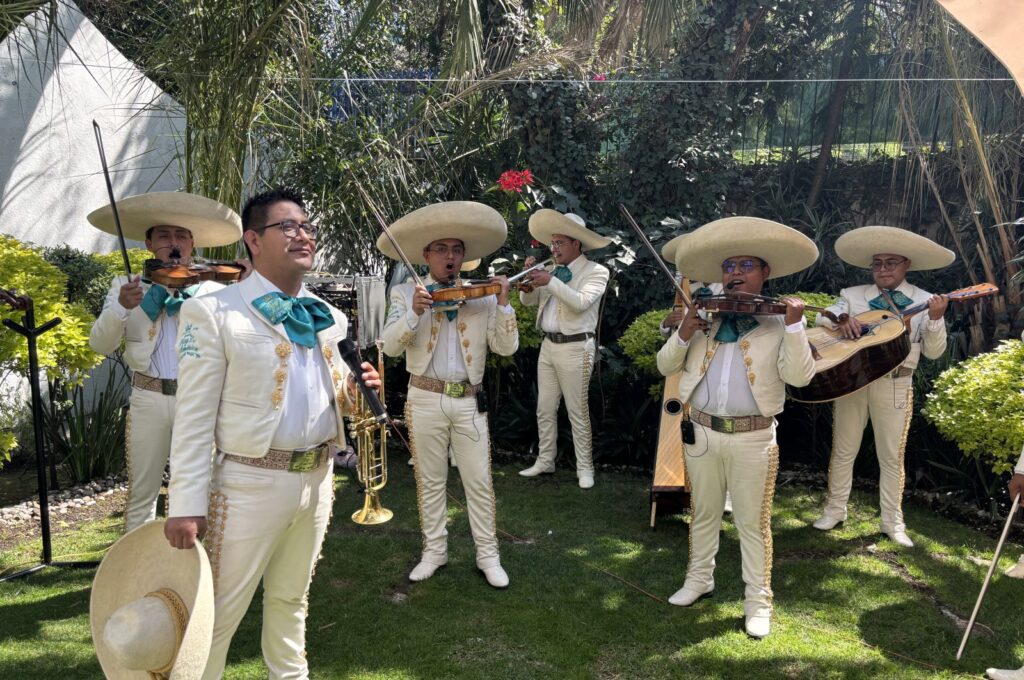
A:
[843,366]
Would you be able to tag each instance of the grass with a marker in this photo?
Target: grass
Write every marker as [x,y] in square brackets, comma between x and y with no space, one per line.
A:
[844,609]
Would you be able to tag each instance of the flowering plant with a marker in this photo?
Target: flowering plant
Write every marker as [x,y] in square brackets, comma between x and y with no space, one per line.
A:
[515,180]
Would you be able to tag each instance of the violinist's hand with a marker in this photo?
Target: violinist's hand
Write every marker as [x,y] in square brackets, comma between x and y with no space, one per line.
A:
[131,294]
[421,300]
[246,266]
[1017,486]
[183,532]
[539,278]
[529,262]
[937,307]
[691,324]
[503,295]
[794,309]
[850,328]
[673,319]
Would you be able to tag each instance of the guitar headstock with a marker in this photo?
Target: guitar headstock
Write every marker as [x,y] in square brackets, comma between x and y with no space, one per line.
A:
[971,292]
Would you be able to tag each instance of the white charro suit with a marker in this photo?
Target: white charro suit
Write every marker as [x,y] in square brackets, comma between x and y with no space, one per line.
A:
[151,411]
[235,383]
[888,402]
[745,463]
[450,351]
[564,369]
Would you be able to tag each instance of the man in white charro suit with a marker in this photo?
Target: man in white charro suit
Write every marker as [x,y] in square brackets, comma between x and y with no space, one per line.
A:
[145,316]
[568,301]
[734,373]
[889,401]
[261,391]
[445,354]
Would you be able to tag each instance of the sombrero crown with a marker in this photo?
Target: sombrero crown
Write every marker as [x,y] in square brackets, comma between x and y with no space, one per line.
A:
[481,229]
[212,223]
[546,222]
[699,254]
[859,247]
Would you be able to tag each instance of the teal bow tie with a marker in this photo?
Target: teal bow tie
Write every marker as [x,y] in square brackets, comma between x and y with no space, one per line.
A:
[303,317]
[735,325]
[703,292]
[901,301]
[451,313]
[562,273]
[159,299]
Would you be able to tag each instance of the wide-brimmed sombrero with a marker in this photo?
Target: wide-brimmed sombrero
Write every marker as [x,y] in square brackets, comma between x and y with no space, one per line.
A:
[151,609]
[699,254]
[481,229]
[212,223]
[859,246]
[546,222]
[668,251]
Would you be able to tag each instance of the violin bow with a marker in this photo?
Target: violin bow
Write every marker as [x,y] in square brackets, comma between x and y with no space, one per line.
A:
[113,203]
[657,258]
[387,232]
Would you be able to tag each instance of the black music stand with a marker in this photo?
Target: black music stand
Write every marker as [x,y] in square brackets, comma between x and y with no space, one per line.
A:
[28,329]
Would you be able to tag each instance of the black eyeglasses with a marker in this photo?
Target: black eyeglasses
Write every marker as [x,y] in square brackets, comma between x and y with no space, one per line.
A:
[290,228]
[879,265]
[443,250]
[745,266]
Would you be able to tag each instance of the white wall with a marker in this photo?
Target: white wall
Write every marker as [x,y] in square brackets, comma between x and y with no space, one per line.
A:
[50,92]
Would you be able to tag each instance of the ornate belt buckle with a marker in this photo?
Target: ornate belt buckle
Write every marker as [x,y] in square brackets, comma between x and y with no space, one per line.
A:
[169,387]
[304,461]
[456,390]
[720,424]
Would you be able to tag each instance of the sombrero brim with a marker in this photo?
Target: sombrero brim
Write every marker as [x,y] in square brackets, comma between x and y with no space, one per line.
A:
[668,251]
[139,563]
[546,222]
[212,223]
[699,254]
[859,246]
[481,229]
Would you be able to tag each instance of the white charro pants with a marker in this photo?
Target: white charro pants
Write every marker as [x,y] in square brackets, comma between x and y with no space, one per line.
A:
[147,448]
[889,403]
[269,525]
[563,370]
[745,463]
[436,423]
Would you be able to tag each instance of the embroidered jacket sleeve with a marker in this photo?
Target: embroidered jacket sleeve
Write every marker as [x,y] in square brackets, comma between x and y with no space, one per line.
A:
[586,296]
[108,329]
[796,363]
[202,367]
[502,330]
[399,327]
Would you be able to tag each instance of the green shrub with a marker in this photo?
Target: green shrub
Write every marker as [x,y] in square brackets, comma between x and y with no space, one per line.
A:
[642,340]
[978,404]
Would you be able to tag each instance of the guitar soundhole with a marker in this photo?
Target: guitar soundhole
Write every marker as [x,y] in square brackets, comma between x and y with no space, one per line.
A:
[673,407]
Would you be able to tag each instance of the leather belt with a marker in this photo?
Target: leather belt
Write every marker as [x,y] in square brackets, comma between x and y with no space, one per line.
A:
[305,460]
[901,372]
[730,424]
[562,338]
[452,389]
[161,385]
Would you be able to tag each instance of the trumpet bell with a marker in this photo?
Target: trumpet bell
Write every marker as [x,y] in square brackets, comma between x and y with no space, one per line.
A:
[372,511]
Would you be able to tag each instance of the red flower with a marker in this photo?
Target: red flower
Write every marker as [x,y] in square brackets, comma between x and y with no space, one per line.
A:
[534,243]
[599,77]
[513,180]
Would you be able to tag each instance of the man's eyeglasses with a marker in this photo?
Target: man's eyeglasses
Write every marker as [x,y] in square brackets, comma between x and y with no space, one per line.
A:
[745,266]
[290,228]
[879,265]
[443,250]
[558,245]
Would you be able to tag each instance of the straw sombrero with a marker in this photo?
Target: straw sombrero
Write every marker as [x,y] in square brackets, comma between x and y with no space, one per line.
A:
[212,223]
[859,246]
[699,254]
[151,610]
[668,251]
[546,222]
[481,229]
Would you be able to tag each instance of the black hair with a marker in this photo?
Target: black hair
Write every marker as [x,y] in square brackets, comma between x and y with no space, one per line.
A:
[255,211]
[149,232]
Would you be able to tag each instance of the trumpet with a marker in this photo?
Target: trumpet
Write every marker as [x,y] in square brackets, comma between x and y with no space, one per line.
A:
[512,280]
[372,446]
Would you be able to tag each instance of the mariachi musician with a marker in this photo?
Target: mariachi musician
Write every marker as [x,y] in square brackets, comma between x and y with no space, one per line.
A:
[888,402]
[145,315]
[568,301]
[445,352]
[734,372]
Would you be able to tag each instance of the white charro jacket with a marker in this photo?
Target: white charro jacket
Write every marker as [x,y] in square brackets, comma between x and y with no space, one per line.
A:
[481,325]
[926,337]
[772,356]
[139,332]
[579,301]
[230,386]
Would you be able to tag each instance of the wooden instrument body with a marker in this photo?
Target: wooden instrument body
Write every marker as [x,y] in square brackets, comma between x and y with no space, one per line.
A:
[844,366]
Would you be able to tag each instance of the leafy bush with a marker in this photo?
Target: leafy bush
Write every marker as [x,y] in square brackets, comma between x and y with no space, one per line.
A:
[977,404]
[643,339]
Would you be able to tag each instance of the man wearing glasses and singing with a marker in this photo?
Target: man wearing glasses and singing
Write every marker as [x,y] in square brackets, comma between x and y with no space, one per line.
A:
[568,301]
[889,401]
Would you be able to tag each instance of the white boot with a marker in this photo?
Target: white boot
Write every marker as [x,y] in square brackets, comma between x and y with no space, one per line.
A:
[424,570]
[728,503]
[535,470]
[1008,674]
[829,520]
[1017,570]
[899,536]
[684,597]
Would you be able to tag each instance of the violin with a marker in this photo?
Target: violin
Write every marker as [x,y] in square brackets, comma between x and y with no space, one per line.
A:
[469,290]
[748,303]
[174,275]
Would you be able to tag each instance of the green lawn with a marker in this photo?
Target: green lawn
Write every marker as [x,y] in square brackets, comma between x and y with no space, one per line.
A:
[844,609]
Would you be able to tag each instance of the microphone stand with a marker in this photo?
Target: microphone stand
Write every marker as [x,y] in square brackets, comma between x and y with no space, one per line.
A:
[31,332]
